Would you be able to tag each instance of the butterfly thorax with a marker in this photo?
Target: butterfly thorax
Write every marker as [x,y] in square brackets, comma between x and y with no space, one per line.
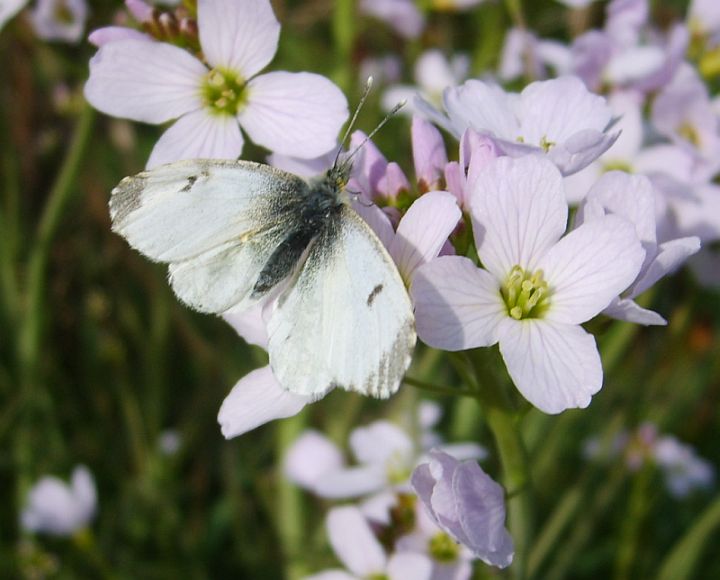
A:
[319,213]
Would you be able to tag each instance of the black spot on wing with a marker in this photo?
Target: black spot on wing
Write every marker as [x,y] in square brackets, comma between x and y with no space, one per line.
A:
[375,291]
[190,182]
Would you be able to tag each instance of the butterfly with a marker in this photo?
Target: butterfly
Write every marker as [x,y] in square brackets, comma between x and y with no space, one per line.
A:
[238,233]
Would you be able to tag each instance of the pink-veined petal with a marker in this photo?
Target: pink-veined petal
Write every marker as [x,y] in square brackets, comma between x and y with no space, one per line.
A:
[241,35]
[256,399]
[589,267]
[555,366]
[297,114]
[519,211]
[198,135]
[354,542]
[457,305]
[423,230]
[144,81]
[672,254]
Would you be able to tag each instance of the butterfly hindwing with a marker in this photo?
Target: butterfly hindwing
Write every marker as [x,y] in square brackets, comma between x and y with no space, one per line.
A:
[346,319]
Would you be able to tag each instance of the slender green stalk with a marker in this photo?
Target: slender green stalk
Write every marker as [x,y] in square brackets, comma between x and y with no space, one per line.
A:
[289,516]
[30,339]
[503,421]
[682,559]
[343,27]
[517,483]
[60,195]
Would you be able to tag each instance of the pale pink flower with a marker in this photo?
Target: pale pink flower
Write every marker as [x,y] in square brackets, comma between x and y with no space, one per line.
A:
[466,503]
[536,289]
[61,20]
[355,545]
[523,53]
[683,470]
[633,198]
[56,508]
[433,73]
[295,114]
[558,118]
[403,16]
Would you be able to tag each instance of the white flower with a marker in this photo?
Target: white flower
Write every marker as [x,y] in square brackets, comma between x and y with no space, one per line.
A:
[53,507]
[362,554]
[559,118]
[684,471]
[295,114]
[633,198]
[536,288]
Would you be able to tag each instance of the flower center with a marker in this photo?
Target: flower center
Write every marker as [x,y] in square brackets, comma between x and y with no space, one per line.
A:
[690,133]
[223,91]
[443,548]
[526,295]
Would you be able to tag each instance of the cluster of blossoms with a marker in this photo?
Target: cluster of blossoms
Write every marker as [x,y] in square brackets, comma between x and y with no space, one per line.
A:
[682,469]
[423,513]
[484,242]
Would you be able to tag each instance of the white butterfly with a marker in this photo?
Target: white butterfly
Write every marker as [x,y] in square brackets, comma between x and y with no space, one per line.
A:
[236,233]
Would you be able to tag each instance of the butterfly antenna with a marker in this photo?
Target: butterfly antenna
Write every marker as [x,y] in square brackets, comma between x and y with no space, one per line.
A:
[381,124]
[363,98]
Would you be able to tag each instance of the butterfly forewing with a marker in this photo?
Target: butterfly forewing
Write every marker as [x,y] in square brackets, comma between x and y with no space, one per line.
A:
[346,320]
[216,222]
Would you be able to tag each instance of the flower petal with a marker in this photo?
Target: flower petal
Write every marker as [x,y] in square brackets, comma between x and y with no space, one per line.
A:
[144,81]
[377,219]
[379,442]
[404,565]
[298,114]
[555,366]
[481,508]
[311,456]
[85,493]
[457,305]
[108,34]
[256,399]
[483,107]
[354,543]
[429,155]
[671,256]
[198,135]
[519,211]
[241,36]
[627,309]
[351,482]
[589,267]
[9,8]
[581,150]
[250,324]
[423,230]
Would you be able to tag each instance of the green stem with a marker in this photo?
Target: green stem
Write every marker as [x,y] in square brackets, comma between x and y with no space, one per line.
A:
[517,483]
[503,422]
[343,27]
[59,197]
[289,516]
[30,338]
